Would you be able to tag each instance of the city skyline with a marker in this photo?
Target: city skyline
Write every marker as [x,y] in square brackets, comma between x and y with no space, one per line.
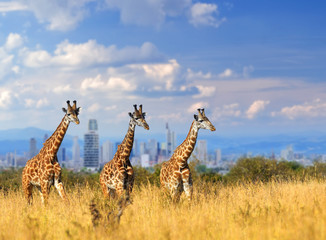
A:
[147,153]
[257,67]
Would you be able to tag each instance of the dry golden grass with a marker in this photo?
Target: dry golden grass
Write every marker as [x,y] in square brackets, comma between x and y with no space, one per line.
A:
[292,210]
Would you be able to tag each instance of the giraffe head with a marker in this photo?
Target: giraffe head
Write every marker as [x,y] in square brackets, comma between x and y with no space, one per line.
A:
[202,121]
[72,112]
[138,117]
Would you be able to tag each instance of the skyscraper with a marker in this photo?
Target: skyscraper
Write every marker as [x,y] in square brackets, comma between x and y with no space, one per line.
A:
[107,152]
[76,153]
[32,148]
[91,146]
[201,151]
[152,147]
[170,141]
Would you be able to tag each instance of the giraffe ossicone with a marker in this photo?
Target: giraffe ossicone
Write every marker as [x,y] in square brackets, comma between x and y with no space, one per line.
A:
[43,170]
[117,176]
[175,176]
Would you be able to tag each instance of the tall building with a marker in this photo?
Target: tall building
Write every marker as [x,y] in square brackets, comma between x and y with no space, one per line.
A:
[11,159]
[135,149]
[170,141]
[91,146]
[76,152]
[288,154]
[92,125]
[107,152]
[218,156]
[62,156]
[142,148]
[152,149]
[32,148]
[201,151]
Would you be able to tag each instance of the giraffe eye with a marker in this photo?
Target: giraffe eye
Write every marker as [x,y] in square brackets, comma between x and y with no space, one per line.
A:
[136,118]
[200,120]
[69,114]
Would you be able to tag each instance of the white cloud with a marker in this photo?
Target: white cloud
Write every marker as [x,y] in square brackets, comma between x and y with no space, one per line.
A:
[68,55]
[317,108]
[193,108]
[163,72]
[169,116]
[5,98]
[148,12]
[94,108]
[14,40]
[116,83]
[113,83]
[229,110]
[197,75]
[62,89]
[57,14]
[227,73]
[40,103]
[205,91]
[11,6]
[95,83]
[204,14]
[15,69]
[247,70]
[256,107]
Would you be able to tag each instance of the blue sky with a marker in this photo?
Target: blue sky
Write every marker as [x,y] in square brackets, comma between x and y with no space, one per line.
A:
[257,67]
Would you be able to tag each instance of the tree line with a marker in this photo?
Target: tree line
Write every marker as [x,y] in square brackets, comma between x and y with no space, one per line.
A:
[255,169]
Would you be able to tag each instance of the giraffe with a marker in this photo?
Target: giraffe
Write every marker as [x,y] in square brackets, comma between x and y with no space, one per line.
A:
[175,176]
[44,170]
[117,176]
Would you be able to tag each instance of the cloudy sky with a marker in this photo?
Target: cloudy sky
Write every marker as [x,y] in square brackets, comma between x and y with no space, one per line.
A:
[257,67]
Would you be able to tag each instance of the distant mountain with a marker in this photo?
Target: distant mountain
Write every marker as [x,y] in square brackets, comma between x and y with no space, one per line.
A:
[23,133]
[17,140]
[12,140]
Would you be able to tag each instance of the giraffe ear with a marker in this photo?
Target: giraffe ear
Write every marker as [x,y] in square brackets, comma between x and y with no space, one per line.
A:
[144,114]
[64,110]
[130,114]
[196,117]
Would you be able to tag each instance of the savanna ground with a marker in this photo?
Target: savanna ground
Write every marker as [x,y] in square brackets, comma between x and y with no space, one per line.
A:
[273,208]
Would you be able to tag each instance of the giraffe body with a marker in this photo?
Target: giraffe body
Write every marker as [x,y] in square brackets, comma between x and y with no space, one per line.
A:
[175,175]
[117,176]
[43,170]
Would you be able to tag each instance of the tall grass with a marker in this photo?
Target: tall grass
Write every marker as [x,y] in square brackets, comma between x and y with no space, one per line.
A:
[275,210]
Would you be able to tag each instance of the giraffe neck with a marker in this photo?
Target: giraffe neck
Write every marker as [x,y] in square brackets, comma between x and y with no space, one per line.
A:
[52,144]
[126,146]
[183,152]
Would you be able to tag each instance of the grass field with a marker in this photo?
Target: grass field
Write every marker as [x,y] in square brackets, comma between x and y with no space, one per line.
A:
[289,210]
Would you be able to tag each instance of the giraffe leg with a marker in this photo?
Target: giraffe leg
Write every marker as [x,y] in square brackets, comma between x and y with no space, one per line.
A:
[27,188]
[122,193]
[105,190]
[57,182]
[45,190]
[41,194]
[187,183]
[175,194]
[130,180]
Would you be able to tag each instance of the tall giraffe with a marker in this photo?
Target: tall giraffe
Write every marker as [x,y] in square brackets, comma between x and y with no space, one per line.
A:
[44,170]
[175,174]
[117,176]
